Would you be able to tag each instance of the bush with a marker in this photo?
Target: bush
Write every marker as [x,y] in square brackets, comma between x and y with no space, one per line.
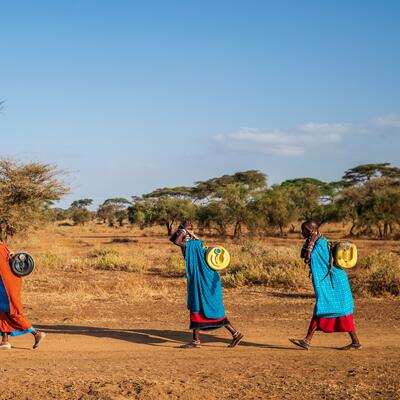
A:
[107,259]
[103,252]
[253,264]
[175,266]
[377,274]
[51,261]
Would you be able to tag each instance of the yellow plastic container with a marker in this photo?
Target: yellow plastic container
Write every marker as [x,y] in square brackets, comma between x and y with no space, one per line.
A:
[217,258]
[345,254]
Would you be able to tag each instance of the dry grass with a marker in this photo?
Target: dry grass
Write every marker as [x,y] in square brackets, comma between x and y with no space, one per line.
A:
[84,264]
[377,274]
[256,264]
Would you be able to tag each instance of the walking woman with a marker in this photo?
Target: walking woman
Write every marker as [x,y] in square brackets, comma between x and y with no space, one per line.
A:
[204,289]
[334,307]
[12,319]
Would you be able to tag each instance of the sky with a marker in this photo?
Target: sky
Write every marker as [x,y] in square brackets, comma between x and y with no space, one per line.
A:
[129,96]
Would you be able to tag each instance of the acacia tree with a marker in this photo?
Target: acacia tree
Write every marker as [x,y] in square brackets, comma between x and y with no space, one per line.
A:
[167,211]
[114,209]
[365,172]
[212,215]
[79,211]
[373,203]
[234,194]
[26,190]
[164,210]
[386,210]
[278,207]
[139,212]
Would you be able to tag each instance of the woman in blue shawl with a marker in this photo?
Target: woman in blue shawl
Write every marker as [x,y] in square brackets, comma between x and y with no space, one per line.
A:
[204,289]
[333,311]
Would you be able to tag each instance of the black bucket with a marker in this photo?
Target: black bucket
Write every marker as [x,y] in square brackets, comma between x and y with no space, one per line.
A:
[22,264]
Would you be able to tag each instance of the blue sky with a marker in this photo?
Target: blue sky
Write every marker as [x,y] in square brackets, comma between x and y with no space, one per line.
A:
[129,96]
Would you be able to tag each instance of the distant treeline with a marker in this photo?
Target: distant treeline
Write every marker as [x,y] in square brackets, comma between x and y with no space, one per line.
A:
[367,198]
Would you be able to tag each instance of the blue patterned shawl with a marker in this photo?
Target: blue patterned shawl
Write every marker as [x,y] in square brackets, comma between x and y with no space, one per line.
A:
[334,298]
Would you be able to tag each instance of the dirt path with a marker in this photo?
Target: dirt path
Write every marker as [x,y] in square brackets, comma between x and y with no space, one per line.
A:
[136,357]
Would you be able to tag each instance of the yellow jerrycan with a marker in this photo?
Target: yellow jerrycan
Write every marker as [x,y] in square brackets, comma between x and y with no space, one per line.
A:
[217,258]
[344,254]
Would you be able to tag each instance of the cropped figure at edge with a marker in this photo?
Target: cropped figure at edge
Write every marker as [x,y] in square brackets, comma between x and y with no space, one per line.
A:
[12,319]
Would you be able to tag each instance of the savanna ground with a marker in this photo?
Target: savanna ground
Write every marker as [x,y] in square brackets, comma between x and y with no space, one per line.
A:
[113,304]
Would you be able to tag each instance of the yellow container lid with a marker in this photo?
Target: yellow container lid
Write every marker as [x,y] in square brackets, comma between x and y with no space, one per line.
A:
[217,258]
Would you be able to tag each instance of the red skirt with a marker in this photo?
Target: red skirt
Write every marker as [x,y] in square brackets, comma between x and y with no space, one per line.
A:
[198,321]
[329,325]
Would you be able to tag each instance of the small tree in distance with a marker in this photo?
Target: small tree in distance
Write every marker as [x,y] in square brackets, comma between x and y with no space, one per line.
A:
[114,209]
[79,212]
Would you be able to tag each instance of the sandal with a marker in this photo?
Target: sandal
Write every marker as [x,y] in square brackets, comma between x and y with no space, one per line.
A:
[301,343]
[351,346]
[191,345]
[237,338]
[5,346]
[38,339]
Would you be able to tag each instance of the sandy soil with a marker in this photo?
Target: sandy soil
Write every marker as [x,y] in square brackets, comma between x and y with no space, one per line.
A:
[127,346]
[133,353]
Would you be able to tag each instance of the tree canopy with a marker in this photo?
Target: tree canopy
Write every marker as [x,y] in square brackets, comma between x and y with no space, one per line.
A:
[26,191]
[367,198]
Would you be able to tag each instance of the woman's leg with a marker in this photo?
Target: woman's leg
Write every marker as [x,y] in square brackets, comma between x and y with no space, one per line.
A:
[236,335]
[4,337]
[195,343]
[231,329]
[311,330]
[196,335]
[354,338]
[355,342]
[305,343]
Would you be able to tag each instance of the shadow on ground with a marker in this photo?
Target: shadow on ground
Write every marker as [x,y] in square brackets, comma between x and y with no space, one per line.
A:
[150,337]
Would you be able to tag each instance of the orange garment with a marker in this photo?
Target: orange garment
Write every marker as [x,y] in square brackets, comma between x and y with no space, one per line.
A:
[14,320]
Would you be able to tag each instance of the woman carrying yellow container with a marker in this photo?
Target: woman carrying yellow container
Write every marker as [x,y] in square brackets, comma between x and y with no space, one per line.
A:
[204,289]
[334,307]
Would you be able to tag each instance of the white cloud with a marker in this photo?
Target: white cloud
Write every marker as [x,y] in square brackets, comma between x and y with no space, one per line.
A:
[287,143]
[298,140]
[277,142]
[390,120]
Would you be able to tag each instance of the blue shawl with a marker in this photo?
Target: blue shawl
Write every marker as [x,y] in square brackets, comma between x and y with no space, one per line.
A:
[332,300]
[204,289]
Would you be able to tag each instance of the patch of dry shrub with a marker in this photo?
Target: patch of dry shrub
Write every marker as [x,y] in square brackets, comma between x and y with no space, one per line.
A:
[106,259]
[377,274]
[254,264]
[50,261]
[174,266]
